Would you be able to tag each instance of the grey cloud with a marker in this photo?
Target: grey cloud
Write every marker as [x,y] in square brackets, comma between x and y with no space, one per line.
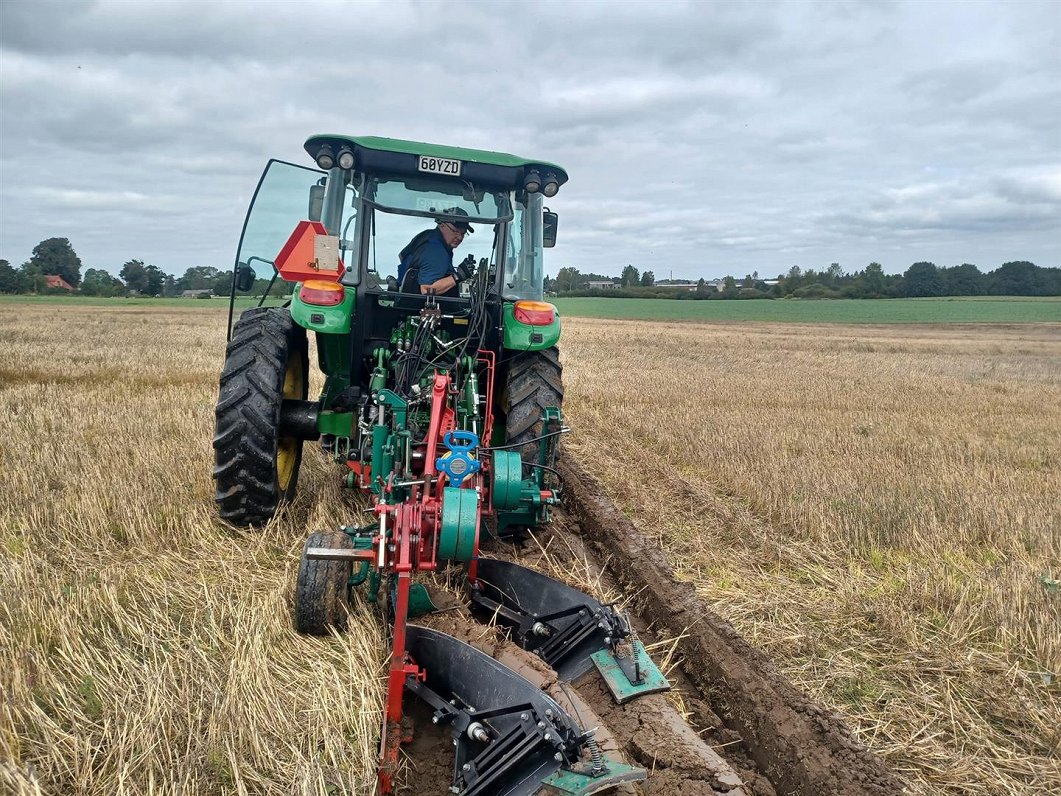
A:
[700,137]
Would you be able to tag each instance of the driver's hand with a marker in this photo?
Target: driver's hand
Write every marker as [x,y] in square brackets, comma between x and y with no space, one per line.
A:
[466,269]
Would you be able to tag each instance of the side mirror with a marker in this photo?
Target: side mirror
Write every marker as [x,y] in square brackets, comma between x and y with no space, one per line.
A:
[316,202]
[550,221]
[244,277]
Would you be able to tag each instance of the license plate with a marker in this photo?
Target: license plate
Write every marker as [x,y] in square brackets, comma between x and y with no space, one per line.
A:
[440,166]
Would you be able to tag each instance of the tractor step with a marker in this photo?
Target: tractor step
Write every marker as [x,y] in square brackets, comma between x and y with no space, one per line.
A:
[509,737]
[568,629]
[338,554]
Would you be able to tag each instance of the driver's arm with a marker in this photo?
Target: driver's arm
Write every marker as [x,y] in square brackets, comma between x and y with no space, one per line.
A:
[439,285]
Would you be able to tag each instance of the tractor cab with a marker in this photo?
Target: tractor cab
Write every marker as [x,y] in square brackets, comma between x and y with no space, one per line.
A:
[372,196]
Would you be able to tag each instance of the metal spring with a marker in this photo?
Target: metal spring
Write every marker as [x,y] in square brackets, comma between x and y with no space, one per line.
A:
[597,766]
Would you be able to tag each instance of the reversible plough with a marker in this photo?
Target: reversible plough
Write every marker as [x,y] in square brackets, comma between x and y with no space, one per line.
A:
[444,406]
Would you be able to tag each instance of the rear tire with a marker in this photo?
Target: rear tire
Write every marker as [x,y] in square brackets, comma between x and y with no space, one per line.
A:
[323,587]
[534,381]
[256,465]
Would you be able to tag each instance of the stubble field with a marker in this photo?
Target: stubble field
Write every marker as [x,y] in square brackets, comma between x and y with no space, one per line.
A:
[874,507]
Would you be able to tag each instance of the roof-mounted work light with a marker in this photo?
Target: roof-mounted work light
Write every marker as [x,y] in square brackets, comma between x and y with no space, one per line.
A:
[532,183]
[551,185]
[345,158]
[325,158]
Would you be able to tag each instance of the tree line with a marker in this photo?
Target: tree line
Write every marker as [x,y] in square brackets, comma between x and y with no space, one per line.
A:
[1016,278]
[56,257]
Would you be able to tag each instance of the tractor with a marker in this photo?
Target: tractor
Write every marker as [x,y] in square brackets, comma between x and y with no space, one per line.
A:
[443,409]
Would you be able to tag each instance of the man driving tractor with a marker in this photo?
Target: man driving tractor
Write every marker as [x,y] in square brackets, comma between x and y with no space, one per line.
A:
[427,260]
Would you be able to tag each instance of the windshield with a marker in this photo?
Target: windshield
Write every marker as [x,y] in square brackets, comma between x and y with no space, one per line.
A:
[404,208]
[524,276]
[280,202]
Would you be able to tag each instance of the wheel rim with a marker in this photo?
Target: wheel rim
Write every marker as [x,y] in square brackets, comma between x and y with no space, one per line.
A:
[287,447]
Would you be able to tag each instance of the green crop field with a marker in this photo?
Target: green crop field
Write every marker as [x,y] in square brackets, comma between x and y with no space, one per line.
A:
[981,309]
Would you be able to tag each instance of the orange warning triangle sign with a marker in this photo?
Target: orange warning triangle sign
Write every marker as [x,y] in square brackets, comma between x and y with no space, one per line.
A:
[310,253]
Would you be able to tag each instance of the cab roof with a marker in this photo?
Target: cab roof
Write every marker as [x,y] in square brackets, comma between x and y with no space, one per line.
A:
[394,155]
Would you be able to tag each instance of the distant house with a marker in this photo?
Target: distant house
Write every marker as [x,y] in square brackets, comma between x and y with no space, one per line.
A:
[196,293]
[603,284]
[671,284]
[54,280]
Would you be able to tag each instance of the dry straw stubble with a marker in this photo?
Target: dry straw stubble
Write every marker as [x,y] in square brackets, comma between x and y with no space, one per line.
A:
[144,647]
[875,507]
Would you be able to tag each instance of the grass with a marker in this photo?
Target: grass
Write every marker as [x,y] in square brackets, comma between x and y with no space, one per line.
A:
[875,507]
[983,309]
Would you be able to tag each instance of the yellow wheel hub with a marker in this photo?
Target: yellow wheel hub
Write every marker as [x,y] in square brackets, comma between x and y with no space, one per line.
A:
[287,447]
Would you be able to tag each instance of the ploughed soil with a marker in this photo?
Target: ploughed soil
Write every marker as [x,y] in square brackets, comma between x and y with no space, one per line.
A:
[732,725]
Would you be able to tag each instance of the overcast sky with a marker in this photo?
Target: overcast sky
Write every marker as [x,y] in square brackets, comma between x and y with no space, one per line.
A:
[701,138]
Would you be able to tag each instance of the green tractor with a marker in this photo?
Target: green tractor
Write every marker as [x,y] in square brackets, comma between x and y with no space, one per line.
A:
[442,404]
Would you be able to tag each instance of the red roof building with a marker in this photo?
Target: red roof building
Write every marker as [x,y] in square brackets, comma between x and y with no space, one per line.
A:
[54,280]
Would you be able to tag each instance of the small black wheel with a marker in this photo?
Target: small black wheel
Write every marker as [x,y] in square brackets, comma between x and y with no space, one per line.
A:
[256,464]
[534,381]
[322,591]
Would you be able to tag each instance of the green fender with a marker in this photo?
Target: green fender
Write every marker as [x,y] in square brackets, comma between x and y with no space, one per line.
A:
[524,337]
[327,320]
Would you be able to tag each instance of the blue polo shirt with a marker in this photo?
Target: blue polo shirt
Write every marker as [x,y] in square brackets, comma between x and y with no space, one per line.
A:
[433,257]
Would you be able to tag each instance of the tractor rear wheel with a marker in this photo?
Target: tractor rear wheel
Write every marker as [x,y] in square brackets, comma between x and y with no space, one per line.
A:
[534,382]
[323,587]
[256,463]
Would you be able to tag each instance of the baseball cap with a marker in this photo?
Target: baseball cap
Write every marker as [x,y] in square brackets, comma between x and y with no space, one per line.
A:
[458,211]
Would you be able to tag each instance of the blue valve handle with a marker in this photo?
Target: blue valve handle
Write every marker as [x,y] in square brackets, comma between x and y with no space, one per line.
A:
[458,464]
[460,440]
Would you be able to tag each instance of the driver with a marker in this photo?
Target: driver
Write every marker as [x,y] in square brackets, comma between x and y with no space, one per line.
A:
[430,257]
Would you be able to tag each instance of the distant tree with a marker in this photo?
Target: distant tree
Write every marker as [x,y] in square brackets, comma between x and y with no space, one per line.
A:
[32,278]
[567,279]
[631,277]
[98,282]
[728,284]
[873,280]
[201,277]
[1051,281]
[922,279]
[134,274]
[156,278]
[222,286]
[169,288]
[833,274]
[1019,278]
[648,279]
[56,256]
[789,281]
[10,279]
[962,280]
